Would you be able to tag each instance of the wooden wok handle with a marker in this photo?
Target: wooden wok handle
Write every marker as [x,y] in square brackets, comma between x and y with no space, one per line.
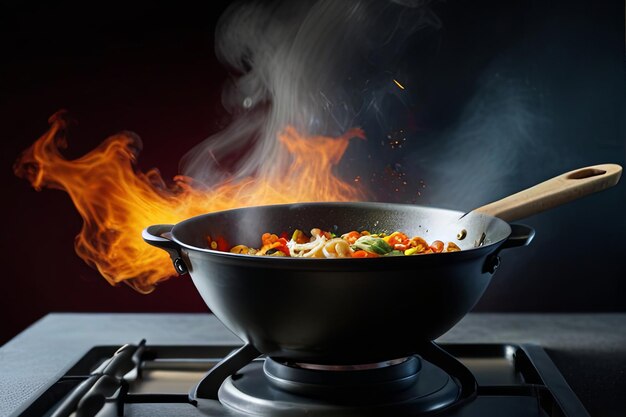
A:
[554,192]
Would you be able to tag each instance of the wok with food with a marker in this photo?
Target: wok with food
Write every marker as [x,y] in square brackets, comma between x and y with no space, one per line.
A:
[350,310]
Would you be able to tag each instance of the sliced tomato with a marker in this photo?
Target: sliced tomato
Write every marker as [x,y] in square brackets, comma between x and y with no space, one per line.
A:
[397,238]
[364,254]
[269,238]
[437,246]
[351,237]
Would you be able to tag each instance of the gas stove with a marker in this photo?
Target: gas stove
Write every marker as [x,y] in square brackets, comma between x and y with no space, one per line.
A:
[194,380]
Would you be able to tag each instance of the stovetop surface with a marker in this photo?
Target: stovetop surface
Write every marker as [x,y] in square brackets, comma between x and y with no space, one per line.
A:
[513,380]
[588,349]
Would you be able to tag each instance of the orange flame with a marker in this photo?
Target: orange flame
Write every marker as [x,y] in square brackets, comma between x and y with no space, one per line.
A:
[117,202]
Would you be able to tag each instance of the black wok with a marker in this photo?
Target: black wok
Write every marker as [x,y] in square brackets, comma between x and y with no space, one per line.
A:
[354,311]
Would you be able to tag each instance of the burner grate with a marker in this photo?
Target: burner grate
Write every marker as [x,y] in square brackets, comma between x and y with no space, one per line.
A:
[517,381]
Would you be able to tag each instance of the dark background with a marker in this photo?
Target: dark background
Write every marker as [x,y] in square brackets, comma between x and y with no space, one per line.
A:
[150,68]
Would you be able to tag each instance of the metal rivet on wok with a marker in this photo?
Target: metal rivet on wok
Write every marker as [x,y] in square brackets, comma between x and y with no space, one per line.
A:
[180,266]
[494,263]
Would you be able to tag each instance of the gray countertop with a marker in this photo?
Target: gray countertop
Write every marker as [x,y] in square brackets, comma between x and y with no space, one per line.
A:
[589,349]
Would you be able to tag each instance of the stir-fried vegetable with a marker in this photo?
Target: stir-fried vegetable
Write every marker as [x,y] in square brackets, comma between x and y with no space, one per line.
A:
[321,244]
[373,244]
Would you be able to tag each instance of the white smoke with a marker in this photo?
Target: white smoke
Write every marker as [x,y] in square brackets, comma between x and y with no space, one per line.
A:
[314,65]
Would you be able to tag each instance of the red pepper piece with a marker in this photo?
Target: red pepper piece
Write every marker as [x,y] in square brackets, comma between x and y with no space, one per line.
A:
[283,246]
[222,244]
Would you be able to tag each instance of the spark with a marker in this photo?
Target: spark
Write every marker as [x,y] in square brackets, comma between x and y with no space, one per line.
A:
[398,83]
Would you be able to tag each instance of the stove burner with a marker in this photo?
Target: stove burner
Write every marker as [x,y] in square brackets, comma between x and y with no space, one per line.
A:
[332,381]
[363,367]
[268,387]
[273,387]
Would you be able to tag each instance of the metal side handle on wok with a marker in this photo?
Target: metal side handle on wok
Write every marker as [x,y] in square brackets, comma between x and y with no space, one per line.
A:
[159,235]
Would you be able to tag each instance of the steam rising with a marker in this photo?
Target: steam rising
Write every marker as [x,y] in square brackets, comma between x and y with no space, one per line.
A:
[317,66]
[326,66]
[487,154]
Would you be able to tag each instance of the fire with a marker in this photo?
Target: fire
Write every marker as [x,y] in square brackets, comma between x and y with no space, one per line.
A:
[116,201]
